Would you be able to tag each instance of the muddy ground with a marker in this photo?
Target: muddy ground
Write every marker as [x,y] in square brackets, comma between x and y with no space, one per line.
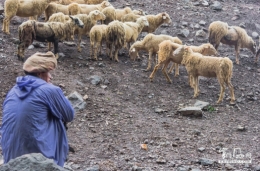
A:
[122,114]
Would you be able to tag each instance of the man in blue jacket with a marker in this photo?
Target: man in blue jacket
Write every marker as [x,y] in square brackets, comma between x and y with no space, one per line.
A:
[34,111]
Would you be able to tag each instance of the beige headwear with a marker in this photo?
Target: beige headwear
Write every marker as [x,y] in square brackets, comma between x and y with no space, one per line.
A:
[40,62]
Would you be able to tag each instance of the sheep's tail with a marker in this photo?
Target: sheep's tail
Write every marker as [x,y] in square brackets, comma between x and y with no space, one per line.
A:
[226,67]
[116,33]
[217,30]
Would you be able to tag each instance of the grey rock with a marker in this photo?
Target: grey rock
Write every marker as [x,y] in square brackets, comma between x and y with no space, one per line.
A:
[206,162]
[184,33]
[241,128]
[201,104]
[164,32]
[191,111]
[1,9]
[106,82]
[191,40]
[95,79]
[202,23]
[216,6]
[201,149]
[255,35]
[101,64]
[93,168]
[196,3]
[205,4]
[182,168]
[137,168]
[161,160]
[31,162]
[15,41]
[229,167]
[77,101]
[158,110]
[257,168]
[31,47]
[257,26]
[184,23]
[197,26]
[61,55]
[243,25]
[201,33]
[16,20]
[195,169]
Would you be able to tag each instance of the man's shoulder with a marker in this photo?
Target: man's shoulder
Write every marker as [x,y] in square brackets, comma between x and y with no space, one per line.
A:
[49,87]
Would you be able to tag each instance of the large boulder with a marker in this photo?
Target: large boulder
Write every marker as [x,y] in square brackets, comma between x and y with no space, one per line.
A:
[31,162]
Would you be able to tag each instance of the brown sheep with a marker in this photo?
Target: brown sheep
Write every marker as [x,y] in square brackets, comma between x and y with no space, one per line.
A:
[198,65]
[166,55]
[155,21]
[150,43]
[97,35]
[234,35]
[116,37]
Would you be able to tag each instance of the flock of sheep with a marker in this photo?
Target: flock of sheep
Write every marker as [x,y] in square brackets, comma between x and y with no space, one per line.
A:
[120,28]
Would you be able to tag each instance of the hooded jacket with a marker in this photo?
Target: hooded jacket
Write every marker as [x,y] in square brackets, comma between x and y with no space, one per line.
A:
[33,112]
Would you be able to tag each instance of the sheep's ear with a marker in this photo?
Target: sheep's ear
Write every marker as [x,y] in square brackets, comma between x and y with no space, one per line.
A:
[71,17]
[163,16]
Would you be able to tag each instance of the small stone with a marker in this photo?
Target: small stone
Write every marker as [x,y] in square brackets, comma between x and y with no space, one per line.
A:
[197,26]
[202,23]
[31,47]
[229,167]
[103,86]
[201,149]
[241,128]
[69,43]
[62,85]
[93,168]
[182,169]
[158,110]
[201,104]
[191,111]
[206,162]
[255,35]
[257,168]
[161,160]
[85,97]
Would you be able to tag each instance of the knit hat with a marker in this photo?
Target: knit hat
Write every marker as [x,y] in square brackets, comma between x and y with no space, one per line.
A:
[40,62]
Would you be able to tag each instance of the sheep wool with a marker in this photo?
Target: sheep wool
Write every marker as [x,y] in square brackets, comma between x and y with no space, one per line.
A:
[198,65]
[110,13]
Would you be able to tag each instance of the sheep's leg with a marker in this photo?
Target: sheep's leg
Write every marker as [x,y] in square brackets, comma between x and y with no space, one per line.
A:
[232,95]
[176,70]
[6,25]
[149,61]
[96,50]
[222,90]
[49,46]
[79,41]
[196,86]
[191,81]
[164,71]
[155,70]
[216,46]
[171,69]
[237,48]
[56,48]
[116,54]
[100,48]
[92,44]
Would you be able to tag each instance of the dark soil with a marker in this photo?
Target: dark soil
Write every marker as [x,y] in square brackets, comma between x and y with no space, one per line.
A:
[122,116]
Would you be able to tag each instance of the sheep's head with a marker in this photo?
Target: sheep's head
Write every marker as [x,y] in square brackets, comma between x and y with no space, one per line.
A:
[143,20]
[127,10]
[77,21]
[105,4]
[252,46]
[139,12]
[97,15]
[166,18]
[133,53]
[209,50]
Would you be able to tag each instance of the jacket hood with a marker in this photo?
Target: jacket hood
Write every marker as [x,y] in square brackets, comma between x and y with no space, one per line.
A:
[26,84]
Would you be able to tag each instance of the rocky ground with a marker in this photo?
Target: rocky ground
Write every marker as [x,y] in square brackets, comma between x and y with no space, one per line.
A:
[124,109]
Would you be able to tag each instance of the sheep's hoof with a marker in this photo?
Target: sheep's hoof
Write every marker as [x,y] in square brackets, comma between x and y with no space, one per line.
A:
[219,101]
[177,75]
[232,102]
[147,69]
[237,62]
[151,79]
[170,82]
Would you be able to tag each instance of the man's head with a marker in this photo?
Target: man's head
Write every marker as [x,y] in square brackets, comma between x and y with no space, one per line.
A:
[40,64]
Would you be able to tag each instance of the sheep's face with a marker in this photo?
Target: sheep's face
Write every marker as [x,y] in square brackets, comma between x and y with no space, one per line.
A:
[99,15]
[166,18]
[210,50]
[105,4]
[77,21]
[253,47]
[144,21]
[133,53]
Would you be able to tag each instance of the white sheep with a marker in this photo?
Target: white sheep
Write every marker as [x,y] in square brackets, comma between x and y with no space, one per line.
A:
[58,17]
[130,17]
[89,21]
[97,35]
[199,65]
[166,55]
[28,8]
[133,29]
[115,38]
[75,8]
[121,12]
[55,8]
[67,2]
[41,31]
[110,13]
[156,20]
[150,44]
